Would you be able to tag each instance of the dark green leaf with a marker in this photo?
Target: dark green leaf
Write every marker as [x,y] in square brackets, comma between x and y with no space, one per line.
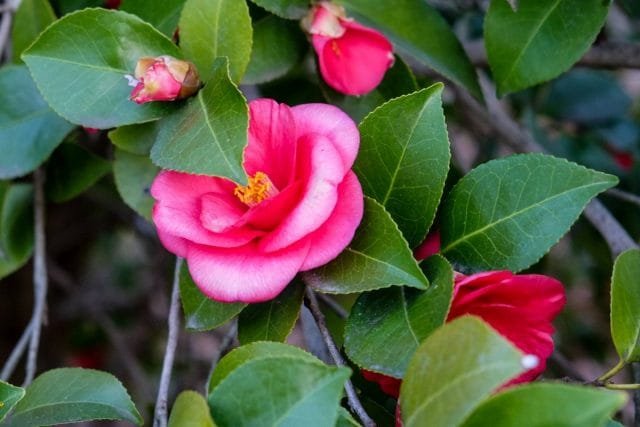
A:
[135,139]
[265,384]
[625,306]
[80,61]
[273,320]
[134,175]
[414,27]
[16,226]
[190,410]
[538,405]
[29,129]
[9,396]
[163,15]
[453,370]
[545,38]
[214,28]
[31,18]
[208,135]
[291,9]
[202,313]
[378,257]
[386,327]
[70,395]
[72,170]
[278,45]
[404,159]
[507,213]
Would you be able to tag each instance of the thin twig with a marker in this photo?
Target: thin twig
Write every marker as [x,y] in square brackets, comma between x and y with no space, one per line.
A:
[354,402]
[160,418]
[635,368]
[334,305]
[623,195]
[226,343]
[16,353]
[561,361]
[40,279]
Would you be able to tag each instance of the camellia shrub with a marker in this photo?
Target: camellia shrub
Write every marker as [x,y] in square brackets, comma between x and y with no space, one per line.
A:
[375,204]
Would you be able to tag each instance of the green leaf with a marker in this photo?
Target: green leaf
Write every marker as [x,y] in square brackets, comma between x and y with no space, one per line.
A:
[453,370]
[399,80]
[417,29]
[190,410]
[70,395]
[163,15]
[29,129]
[545,38]
[80,61]
[202,313]
[625,309]
[291,9]
[208,135]
[263,384]
[214,28]
[31,18]
[378,257]
[547,404]
[273,320]
[507,213]
[278,45]
[71,170]
[9,396]
[404,159]
[135,139]
[16,226]
[386,327]
[345,419]
[134,175]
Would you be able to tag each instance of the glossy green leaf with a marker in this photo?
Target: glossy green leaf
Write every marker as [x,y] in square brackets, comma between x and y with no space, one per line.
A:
[208,135]
[72,170]
[399,80]
[386,327]
[378,257]
[263,384]
[80,61]
[134,175]
[417,29]
[70,395]
[135,139]
[31,18]
[291,9]
[9,396]
[404,159]
[507,213]
[547,404]
[29,129]
[16,226]
[272,320]
[278,45]
[202,313]
[545,38]
[163,15]
[453,370]
[625,306]
[214,28]
[190,410]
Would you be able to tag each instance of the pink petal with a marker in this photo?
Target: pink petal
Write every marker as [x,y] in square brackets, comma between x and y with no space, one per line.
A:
[272,141]
[219,212]
[321,169]
[270,213]
[337,232]
[332,123]
[430,246]
[175,245]
[244,274]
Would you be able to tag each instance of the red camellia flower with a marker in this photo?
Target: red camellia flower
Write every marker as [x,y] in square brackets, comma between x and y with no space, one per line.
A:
[299,210]
[163,79]
[353,58]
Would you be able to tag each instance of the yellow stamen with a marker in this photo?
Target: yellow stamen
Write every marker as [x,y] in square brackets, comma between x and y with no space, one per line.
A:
[259,189]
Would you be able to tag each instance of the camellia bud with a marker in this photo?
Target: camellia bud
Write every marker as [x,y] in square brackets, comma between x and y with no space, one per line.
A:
[163,79]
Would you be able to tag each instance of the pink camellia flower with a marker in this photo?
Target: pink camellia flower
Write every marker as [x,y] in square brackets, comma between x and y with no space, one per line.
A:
[353,58]
[163,79]
[299,210]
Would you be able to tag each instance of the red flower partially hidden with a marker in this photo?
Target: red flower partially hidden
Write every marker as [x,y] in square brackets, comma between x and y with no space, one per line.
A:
[163,79]
[353,58]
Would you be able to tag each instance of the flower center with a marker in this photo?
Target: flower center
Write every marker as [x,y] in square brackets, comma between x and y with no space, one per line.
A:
[257,190]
